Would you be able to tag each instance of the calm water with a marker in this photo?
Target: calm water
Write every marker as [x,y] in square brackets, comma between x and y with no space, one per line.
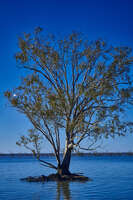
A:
[112,179]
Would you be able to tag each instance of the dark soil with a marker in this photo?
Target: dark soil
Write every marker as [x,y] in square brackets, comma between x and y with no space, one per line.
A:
[56,177]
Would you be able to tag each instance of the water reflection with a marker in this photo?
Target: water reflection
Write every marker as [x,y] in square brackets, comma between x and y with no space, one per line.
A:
[63,190]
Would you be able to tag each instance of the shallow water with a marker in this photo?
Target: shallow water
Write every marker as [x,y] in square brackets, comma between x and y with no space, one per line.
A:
[112,179]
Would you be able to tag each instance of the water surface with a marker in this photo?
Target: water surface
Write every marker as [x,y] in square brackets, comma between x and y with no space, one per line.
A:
[112,179]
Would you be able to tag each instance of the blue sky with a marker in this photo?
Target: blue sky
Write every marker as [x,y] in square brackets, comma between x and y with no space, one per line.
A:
[111,20]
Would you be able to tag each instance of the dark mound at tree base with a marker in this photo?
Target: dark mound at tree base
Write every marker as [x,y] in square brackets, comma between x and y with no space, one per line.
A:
[56,177]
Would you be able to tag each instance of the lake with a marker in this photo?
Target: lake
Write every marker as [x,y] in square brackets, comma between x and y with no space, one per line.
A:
[112,179]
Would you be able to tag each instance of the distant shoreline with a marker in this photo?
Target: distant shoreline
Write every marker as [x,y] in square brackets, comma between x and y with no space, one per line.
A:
[74,154]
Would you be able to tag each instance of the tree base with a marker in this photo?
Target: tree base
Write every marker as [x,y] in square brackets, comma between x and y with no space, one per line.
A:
[56,177]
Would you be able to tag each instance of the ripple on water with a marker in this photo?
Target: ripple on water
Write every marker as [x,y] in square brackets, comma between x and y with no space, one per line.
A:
[112,179]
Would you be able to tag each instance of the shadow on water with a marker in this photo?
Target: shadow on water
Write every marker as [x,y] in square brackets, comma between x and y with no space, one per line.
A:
[63,189]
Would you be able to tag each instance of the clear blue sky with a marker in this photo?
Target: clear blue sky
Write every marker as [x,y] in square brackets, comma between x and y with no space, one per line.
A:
[112,20]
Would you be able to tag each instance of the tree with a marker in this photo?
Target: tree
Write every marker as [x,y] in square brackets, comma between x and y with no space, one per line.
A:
[76,88]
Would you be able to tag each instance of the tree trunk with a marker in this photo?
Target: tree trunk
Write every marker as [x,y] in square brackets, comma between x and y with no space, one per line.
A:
[66,162]
[64,168]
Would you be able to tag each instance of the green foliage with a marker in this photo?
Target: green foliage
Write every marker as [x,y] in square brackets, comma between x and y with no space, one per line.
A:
[80,86]
[31,142]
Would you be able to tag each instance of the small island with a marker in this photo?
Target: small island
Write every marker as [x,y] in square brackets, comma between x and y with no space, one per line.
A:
[56,177]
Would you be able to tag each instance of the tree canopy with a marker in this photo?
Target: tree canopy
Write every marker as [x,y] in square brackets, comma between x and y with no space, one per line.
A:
[76,88]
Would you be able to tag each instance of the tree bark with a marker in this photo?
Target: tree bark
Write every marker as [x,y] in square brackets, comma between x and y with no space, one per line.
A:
[64,168]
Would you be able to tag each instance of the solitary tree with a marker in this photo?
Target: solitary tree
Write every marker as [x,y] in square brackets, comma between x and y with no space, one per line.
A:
[77,89]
